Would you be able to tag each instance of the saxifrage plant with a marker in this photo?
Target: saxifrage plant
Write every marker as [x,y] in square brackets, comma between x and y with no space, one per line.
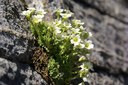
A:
[66,42]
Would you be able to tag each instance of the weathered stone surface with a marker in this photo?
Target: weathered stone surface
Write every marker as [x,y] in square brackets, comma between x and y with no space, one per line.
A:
[14,73]
[16,46]
[105,79]
[108,20]
[14,39]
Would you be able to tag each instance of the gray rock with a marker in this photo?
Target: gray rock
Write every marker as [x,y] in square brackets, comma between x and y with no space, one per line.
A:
[14,73]
[104,79]
[108,21]
[16,45]
[14,38]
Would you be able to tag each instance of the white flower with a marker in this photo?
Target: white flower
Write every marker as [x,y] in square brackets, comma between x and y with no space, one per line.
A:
[26,13]
[75,30]
[37,18]
[81,27]
[81,45]
[90,34]
[77,22]
[59,11]
[64,36]
[83,67]
[85,79]
[57,22]
[57,30]
[66,15]
[89,44]
[82,58]
[29,11]
[76,40]
[67,25]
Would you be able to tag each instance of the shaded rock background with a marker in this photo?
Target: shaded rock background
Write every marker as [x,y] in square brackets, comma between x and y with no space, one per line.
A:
[106,19]
[15,73]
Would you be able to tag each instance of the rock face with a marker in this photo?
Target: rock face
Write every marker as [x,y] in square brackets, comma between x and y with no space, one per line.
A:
[108,21]
[16,47]
[14,44]
[14,73]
